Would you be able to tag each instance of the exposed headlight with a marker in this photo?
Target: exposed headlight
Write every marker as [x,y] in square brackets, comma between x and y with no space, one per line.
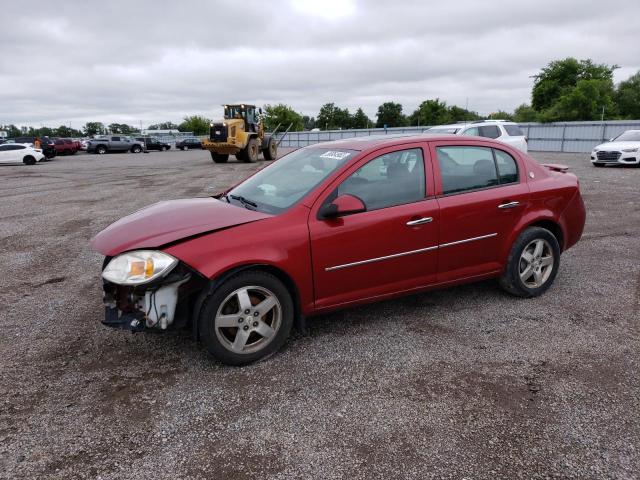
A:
[629,150]
[138,267]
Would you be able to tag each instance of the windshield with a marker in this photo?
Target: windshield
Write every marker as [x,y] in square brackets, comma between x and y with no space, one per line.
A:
[629,136]
[282,184]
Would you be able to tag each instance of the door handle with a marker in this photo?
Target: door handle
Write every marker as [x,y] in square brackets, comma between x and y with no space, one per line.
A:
[419,221]
[509,205]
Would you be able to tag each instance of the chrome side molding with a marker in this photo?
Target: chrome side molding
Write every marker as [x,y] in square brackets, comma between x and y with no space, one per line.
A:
[410,252]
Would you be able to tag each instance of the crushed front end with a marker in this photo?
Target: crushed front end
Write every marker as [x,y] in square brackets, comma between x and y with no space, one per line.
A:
[164,302]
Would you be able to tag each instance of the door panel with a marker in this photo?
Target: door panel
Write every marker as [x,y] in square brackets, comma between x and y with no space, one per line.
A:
[391,247]
[475,223]
[373,253]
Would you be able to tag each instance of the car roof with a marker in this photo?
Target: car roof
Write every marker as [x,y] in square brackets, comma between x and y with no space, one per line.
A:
[379,141]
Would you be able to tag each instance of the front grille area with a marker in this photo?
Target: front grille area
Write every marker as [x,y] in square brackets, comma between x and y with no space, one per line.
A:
[608,156]
[218,133]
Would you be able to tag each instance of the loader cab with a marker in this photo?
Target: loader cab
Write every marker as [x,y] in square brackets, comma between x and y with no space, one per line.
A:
[244,112]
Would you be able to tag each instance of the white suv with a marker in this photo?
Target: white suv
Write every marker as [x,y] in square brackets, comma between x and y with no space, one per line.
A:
[502,130]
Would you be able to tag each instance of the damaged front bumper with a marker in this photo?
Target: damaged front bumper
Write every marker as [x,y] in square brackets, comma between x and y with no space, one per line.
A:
[159,305]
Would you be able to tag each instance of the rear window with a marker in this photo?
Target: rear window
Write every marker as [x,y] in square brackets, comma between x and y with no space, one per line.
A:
[514,130]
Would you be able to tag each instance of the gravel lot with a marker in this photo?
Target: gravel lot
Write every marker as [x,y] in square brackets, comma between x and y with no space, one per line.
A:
[459,383]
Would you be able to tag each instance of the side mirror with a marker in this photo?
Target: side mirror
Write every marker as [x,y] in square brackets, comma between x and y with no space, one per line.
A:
[343,205]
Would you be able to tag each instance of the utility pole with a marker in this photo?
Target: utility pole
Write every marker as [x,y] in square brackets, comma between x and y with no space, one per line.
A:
[602,117]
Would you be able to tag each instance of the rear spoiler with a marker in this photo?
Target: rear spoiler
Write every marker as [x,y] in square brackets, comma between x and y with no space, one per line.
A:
[556,167]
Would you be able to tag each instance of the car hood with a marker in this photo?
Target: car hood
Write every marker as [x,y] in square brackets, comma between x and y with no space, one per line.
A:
[617,145]
[170,221]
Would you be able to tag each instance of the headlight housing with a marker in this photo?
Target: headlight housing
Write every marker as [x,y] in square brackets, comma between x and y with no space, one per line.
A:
[629,150]
[138,267]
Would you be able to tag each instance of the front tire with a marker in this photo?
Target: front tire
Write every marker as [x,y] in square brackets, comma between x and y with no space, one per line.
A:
[101,150]
[533,263]
[219,157]
[252,151]
[247,319]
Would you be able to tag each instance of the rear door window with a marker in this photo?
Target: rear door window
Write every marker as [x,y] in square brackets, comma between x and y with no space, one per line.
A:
[507,167]
[466,168]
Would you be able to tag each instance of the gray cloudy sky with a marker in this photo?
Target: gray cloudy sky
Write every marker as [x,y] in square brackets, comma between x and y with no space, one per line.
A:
[151,61]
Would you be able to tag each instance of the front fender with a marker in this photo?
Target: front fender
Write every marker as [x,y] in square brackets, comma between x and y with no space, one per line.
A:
[276,242]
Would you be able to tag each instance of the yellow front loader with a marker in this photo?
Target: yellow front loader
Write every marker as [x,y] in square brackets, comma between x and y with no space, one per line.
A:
[240,133]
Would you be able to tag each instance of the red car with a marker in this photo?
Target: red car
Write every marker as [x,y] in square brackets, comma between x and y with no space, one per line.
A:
[335,225]
[65,146]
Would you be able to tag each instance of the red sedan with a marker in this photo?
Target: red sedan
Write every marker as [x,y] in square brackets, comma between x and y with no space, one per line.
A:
[334,225]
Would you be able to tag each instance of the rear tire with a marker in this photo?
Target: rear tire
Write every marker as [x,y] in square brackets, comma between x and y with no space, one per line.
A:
[29,160]
[219,157]
[252,151]
[532,264]
[233,326]
[271,152]
[136,149]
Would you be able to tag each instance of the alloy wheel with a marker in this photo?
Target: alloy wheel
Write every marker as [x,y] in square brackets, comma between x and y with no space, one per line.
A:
[536,263]
[248,319]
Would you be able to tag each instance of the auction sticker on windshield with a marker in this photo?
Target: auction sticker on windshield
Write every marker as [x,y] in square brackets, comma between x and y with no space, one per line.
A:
[335,155]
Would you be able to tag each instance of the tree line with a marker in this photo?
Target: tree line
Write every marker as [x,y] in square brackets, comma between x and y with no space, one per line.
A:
[564,90]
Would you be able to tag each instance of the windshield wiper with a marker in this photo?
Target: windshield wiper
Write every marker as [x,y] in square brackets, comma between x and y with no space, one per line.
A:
[244,201]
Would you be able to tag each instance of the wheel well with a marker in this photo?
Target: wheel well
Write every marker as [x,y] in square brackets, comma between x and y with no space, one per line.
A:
[275,271]
[554,228]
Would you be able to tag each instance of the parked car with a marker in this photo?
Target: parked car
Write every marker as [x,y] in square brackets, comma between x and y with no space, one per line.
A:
[20,153]
[501,130]
[46,144]
[188,143]
[65,146]
[325,228]
[116,143]
[621,150]
[152,143]
[83,145]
